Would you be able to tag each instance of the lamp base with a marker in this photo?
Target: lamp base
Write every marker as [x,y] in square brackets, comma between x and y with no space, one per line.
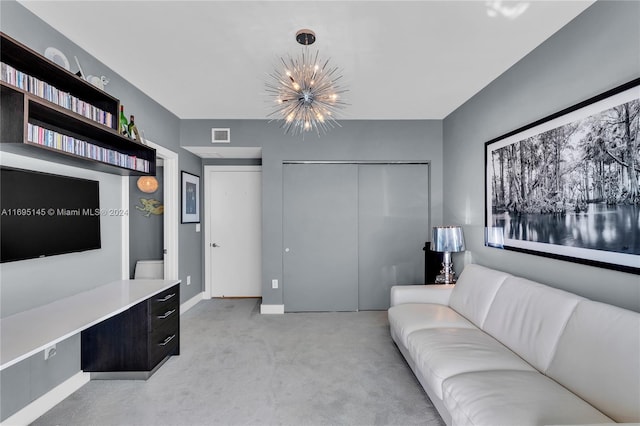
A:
[442,279]
[447,275]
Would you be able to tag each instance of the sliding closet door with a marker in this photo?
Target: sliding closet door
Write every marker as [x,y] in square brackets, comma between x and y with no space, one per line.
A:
[393,227]
[320,236]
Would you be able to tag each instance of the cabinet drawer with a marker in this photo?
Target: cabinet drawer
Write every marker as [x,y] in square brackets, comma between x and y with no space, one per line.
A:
[163,341]
[163,316]
[164,301]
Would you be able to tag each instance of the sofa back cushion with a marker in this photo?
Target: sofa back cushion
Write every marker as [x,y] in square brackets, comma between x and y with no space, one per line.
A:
[529,318]
[474,292]
[598,358]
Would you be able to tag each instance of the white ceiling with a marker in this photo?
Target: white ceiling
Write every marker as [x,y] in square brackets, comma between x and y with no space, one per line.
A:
[399,59]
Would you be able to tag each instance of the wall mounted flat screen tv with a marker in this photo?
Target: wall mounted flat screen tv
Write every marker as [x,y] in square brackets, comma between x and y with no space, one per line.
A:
[43,214]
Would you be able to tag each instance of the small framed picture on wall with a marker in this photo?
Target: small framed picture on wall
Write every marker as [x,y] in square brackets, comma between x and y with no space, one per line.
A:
[190,198]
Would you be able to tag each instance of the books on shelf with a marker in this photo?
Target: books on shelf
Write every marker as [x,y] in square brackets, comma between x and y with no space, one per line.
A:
[51,139]
[44,90]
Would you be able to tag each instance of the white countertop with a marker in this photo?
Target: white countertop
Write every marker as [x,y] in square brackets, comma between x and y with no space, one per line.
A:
[26,333]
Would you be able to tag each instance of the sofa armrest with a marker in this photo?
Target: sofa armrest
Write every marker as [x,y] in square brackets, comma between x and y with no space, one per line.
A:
[439,294]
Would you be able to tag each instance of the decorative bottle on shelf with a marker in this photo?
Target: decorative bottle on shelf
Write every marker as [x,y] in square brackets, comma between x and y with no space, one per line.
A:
[133,130]
[124,124]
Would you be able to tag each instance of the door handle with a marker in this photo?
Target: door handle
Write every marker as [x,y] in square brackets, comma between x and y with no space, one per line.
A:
[214,245]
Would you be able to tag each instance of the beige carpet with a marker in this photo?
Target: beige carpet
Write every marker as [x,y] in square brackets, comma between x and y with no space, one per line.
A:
[238,367]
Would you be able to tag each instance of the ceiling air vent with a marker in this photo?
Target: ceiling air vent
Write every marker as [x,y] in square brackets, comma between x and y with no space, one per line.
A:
[220,135]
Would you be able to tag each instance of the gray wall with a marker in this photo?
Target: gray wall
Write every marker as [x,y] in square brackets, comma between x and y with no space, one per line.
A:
[31,283]
[146,233]
[597,51]
[356,140]
[28,380]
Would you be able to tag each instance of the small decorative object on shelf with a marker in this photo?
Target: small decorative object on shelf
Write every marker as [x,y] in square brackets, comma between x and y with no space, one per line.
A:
[99,82]
[57,57]
[133,130]
[124,124]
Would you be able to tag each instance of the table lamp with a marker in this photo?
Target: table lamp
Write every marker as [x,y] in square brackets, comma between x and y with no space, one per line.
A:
[447,239]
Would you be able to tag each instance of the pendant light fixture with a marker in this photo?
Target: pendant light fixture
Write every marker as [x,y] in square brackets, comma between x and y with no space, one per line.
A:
[306,91]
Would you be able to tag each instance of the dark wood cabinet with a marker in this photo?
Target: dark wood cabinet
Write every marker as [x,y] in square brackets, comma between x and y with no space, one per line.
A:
[37,92]
[134,343]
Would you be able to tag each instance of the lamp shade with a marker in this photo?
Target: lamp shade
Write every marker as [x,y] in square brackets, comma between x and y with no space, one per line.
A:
[147,184]
[447,239]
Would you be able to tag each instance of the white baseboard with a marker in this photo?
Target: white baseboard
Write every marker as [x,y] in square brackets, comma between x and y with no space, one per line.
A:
[271,309]
[191,302]
[47,401]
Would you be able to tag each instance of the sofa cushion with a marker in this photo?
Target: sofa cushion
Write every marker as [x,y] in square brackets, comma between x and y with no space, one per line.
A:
[431,293]
[520,398]
[529,317]
[475,290]
[440,353]
[409,317]
[598,358]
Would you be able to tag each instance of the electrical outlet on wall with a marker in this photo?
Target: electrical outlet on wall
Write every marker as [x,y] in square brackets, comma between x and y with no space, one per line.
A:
[188,279]
[50,352]
[274,283]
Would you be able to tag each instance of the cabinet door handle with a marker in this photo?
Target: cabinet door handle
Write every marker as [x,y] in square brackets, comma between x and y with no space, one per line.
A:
[166,314]
[167,297]
[167,340]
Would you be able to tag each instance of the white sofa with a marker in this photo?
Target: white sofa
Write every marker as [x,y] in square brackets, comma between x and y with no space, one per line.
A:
[496,349]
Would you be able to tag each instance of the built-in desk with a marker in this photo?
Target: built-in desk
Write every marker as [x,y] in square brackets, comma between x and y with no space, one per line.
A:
[27,333]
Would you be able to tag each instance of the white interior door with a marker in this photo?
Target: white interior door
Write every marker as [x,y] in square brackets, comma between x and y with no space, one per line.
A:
[235,231]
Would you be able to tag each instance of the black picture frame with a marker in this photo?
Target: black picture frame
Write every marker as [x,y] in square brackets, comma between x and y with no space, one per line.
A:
[190,196]
[567,186]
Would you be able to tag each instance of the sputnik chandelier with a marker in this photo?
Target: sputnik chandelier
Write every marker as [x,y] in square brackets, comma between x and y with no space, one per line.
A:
[306,90]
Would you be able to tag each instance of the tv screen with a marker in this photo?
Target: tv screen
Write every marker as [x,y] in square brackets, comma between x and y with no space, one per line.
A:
[42,214]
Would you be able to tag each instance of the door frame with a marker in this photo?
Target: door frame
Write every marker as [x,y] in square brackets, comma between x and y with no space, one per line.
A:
[170,219]
[208,183]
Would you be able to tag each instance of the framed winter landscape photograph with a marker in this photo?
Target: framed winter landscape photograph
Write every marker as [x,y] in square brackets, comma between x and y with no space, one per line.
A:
[568,185]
